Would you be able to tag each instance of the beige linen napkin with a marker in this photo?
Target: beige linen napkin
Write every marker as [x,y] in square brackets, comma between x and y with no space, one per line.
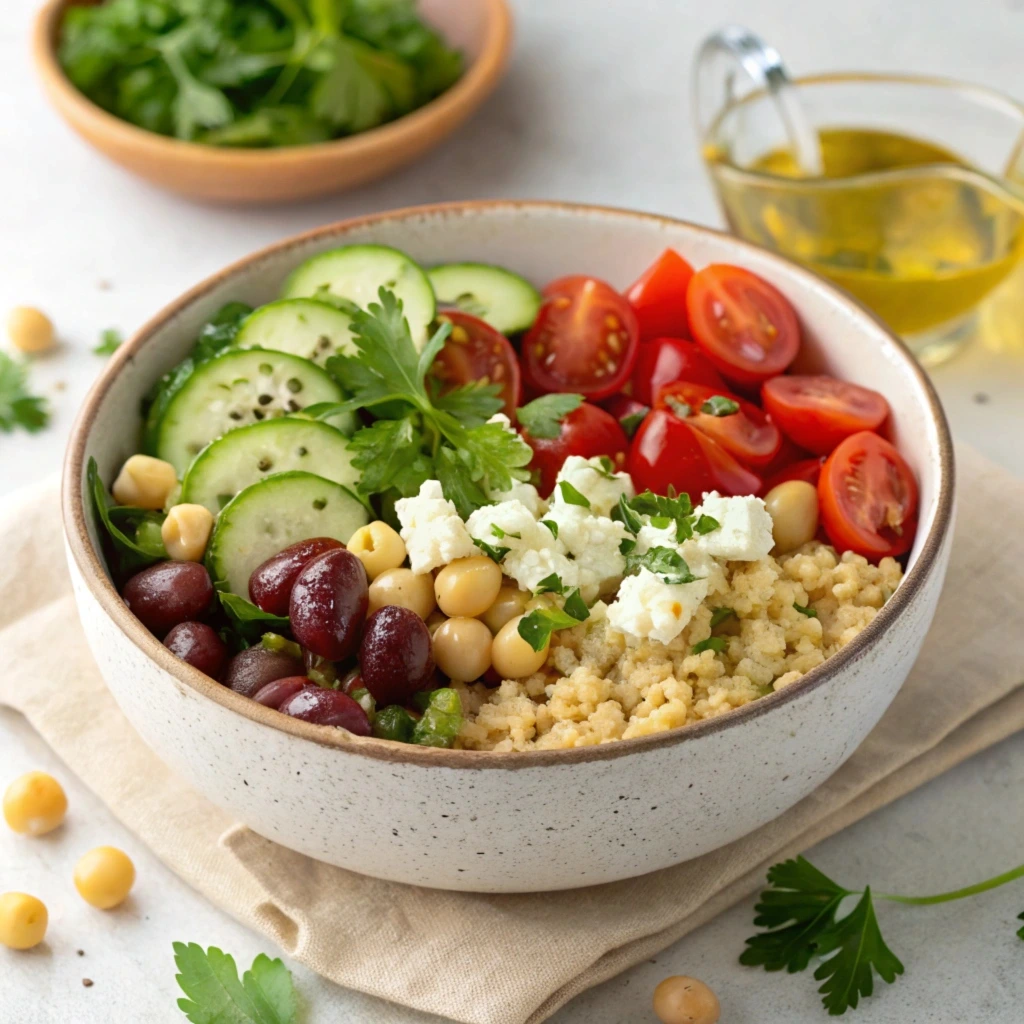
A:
[508,959]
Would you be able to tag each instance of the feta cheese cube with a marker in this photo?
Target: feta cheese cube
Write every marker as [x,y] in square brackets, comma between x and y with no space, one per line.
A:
[525,493]
[593,541]
[601,488]
[649,608]
[433,532]
[510,524]
[745,530]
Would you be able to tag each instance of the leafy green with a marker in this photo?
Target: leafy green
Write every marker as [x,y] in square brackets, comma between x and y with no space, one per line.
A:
[571,496]
[110,341]
[630,423]
[394,723]
[543,416]
[495,554]
[550,585]
[537,626]
[576,606]
[248,621]
[811,613]
[255,72]
[664,562]
[362,696]
[719,405]
[1020,931]
[19,408]
[673,509]
[705,524]
[625,515]
[209,979]
[472,403]
[713,643]
[719,615]
[552,526]
[441,720]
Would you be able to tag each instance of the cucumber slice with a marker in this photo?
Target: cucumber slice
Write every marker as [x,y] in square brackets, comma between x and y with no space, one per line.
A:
[236,388]
[274,513]
[246,455]
[358,272]
[301,327]
[508,302]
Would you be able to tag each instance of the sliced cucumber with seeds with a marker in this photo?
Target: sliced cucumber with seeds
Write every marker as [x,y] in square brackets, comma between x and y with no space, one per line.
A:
[249,454]
[303,327]
[358,272]
[274,513]
[232,390]
[508,302]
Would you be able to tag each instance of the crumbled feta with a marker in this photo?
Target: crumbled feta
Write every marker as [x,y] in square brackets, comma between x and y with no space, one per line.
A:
[601,488]
[745,530]
[500,417]
[655,537]
[509,524]
[526,493]
[434,534]
[593,541]
[649,608]
[528,566]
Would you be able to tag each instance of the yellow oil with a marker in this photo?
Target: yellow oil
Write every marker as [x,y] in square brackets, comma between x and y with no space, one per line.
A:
[921,250]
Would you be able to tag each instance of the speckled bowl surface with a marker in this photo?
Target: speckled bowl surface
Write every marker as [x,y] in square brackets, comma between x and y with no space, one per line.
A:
[540,820]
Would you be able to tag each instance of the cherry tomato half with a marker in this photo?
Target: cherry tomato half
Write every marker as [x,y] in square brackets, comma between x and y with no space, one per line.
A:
[628,411]
[584,339]
[867,495]
[666,360]
[808,470]
[658,297]
[588,431]
[819,412]
[668,452]
[747,433]
[475,351]
[745,326]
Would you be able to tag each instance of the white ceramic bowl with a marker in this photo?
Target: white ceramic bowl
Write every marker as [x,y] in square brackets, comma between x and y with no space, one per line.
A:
[517,821]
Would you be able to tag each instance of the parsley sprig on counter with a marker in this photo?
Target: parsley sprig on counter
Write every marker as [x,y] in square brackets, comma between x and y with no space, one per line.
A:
[801,909]
[18,406]
[419,437]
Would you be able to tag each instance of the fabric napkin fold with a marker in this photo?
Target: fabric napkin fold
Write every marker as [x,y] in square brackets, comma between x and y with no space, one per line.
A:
[508,959]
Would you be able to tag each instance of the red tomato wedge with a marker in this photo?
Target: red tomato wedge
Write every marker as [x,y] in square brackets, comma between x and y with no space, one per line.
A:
[668,452]
[658,297]
[744,325]
[819,412]
[475,351]
[867,496]
[584,339]
[666,360]
[746,433]
[808,470]
[587,431]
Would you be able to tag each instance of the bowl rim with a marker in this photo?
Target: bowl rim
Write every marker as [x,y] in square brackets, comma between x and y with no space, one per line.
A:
[478,79]
[94,574]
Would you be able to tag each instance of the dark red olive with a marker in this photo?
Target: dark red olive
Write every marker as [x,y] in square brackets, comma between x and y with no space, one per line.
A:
[396,657]
[328,604]
[250,670]
[199,645]
[270,585]
[168,593]
[274,694]
[327,707]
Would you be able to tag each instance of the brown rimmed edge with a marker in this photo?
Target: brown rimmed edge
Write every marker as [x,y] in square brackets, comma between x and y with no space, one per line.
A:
[95,575]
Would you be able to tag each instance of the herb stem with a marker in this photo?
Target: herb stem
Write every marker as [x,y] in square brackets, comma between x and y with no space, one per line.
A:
[957,894]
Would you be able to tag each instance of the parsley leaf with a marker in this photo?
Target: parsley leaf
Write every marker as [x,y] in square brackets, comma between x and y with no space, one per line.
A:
[209,978]
[571,496]
[536,627]
[576,606]
[18,408]
[472,403]
[719,405]
[630,423]
[110,341]
[664,562]
[705,524]
[500,533]
[495,554]
[719,615]
[550,585]
[678,510]
[552,526]
[625,515]
[811,613]
[389,453]
[543,416]
[713,643]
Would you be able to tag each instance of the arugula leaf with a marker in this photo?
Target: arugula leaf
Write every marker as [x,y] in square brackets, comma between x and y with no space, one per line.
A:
[18,408]
[719,615]
[542,418]
[110,341]
[719,405]
[550,585]
[576,606]
[811,613]
[571,496]
[127,554]
[537,626]
[250,622]
[664,562]
[209,979]
[713,643]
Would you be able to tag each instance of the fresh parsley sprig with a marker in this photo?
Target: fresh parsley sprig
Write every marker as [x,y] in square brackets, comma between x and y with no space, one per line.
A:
[543,416]
[18,407]
[110,341]
[664,562]
[800,909]
[537,626]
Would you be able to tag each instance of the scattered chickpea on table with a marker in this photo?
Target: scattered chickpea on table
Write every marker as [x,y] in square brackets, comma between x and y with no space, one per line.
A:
[683,1000]
[30,330]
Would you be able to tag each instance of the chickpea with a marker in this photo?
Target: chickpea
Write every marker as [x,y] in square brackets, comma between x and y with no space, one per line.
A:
[378,547]
[468,586]
[186,531]
[682,1000]
[104,877]
[793,506]
[511,656]
[462,649]
[145,482]
[23,920]
[405,588]
[510,602]
[30,329]
[34,804]
[435,619]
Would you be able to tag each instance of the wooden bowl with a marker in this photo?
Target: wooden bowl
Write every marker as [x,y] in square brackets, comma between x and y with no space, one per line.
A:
[481,29]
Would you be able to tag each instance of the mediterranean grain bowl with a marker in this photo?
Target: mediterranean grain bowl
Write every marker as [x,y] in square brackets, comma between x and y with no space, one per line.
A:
[398,504]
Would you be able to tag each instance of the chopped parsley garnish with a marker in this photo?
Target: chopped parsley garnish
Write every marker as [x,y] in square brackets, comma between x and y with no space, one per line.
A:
[705,524]
[110,341]
[713,643]
[811,613]
[543,416]
[571,496]
[665,510]
[500,533]
[719,615]
[552,526]
[537,626]
[664,562]
[719,405]
[576,606]
[495,554]
[19,408]
[631,422]
[550,585]
[607,469]
[625,515]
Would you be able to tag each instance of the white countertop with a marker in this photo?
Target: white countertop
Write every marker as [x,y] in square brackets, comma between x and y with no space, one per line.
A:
[595,108]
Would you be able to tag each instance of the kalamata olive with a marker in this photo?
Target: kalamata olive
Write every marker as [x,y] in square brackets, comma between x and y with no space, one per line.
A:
[251,669]
[270,585]
[328,604]
[395,658]
[199,645]
[168,593]
[327,707]
[274,694]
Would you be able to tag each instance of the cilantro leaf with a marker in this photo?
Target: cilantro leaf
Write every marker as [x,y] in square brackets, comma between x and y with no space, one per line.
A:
[571,496]
[719,405]
[18,408]
[664,562]
[543,416]
[713,643]
[719,615]
[811,613]
[537,626]
[110,341]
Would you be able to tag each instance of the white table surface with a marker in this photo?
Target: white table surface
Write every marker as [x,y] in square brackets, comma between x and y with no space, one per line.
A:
[594,108]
